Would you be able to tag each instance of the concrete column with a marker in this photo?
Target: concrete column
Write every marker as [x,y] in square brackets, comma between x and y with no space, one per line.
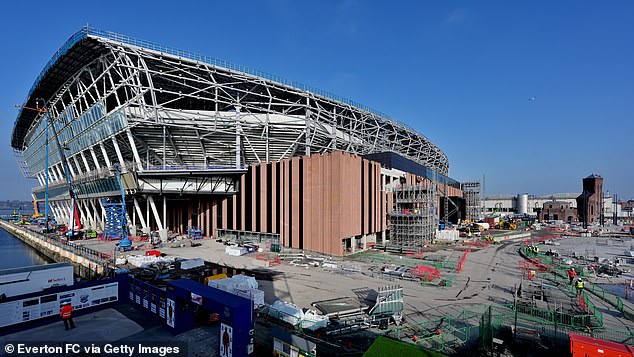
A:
[161,228]
[147,214]
[137,158]
[88,214]
[273,197]
[119,155]
[189,214]
[94,158]
[243,196]
[96,213]
[294,182]
[263,198]
[214,216]
[253,198]
[105,154]
[165,211]
[207,220]
[79,170]
[70,168]
[285,204]
[144,226]
[224,213]
[103,214]
[59,173]
[157,218]
[83,158]
[234,207]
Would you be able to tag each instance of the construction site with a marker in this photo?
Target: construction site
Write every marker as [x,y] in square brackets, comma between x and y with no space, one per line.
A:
[304,223]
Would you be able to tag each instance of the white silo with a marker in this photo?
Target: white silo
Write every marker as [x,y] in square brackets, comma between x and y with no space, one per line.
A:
[522,203]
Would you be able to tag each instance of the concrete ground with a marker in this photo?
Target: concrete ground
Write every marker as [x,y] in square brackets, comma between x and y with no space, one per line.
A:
[489,275]
[105,325]
[124,325]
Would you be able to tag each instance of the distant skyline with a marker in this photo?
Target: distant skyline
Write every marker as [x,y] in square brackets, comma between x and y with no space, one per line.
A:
[507,90]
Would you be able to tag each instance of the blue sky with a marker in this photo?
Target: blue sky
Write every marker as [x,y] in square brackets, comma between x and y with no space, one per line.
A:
[460,72]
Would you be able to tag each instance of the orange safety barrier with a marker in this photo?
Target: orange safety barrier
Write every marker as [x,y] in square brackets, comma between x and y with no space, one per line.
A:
[463,259]
[425,272]
[582,303]
[414,254]
[266,257]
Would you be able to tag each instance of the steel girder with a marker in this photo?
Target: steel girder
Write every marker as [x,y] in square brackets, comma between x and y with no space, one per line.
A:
[182,113]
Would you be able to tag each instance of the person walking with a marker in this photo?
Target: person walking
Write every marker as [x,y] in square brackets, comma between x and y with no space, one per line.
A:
[66,313]
[579,286]
[572,274]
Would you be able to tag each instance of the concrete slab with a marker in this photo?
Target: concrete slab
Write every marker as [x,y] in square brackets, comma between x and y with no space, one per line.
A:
[105,325]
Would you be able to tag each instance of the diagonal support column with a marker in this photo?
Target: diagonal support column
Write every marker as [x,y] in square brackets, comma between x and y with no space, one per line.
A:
[105,155]
[139,213]
[156,214]
[118,151]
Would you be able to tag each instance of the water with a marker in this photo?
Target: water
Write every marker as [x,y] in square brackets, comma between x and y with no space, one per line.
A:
[14,253]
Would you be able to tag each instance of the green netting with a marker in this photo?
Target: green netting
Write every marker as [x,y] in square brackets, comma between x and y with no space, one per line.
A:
[383,346]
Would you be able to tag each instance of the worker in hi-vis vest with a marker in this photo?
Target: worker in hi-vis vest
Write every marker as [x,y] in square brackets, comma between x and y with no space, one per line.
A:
[66,313]
[579,286]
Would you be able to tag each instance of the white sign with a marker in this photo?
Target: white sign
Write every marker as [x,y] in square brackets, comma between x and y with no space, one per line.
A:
[226,340]
[171,312]
[197,299]
[37,307]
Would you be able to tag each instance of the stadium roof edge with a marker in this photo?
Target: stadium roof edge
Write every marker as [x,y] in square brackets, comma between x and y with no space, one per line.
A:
[88,31]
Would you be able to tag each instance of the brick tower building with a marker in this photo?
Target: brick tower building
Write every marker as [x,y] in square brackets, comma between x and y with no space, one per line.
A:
[590,202]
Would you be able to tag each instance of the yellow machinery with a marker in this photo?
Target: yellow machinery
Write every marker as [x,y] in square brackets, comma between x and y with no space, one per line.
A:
[37,213]
[215,277]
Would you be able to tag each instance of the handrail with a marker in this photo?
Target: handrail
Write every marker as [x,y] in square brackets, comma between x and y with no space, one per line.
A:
[84,252]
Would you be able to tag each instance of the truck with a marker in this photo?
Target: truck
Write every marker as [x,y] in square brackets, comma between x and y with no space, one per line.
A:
[26,280]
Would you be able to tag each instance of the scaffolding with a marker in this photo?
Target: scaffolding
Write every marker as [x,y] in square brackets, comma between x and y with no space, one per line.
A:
[471,191]
[413,219]
[115,222]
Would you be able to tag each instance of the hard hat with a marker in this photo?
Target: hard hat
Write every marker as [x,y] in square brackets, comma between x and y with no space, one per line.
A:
[573,269]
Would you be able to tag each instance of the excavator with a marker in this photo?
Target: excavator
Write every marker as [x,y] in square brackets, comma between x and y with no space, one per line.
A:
[507,224]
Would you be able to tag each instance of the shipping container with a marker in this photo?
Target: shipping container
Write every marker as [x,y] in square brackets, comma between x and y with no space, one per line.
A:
[583,346]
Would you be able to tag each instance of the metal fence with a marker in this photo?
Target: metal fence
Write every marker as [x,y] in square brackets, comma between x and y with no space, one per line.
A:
[84,252]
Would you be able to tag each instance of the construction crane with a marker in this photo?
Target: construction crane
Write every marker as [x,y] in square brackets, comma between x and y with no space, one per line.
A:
[71,191]
[37,212]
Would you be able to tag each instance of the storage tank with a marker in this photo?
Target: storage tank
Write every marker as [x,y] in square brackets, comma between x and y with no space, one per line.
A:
[522,203]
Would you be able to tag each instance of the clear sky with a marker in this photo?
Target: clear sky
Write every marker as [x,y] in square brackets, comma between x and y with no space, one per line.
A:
[535,94]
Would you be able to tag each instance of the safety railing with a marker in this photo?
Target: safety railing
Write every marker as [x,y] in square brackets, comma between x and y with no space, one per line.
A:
[559,273]
[443,334]
[84,252]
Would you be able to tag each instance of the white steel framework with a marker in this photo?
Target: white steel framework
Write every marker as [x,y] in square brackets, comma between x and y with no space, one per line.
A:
[184,123]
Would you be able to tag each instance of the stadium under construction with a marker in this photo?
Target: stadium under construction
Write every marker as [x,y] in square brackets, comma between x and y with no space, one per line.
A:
[206,145]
